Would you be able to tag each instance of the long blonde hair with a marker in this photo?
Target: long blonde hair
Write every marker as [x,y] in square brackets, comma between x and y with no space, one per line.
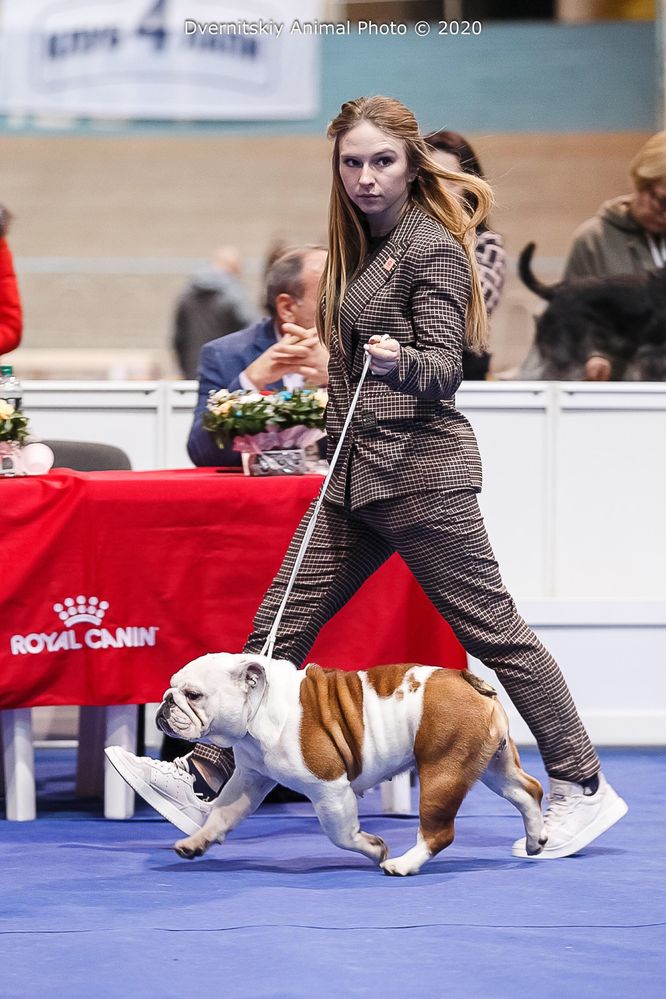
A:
[347,239]
[649,163]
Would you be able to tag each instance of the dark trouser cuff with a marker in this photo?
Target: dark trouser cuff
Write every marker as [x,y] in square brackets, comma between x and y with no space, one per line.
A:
[221,759]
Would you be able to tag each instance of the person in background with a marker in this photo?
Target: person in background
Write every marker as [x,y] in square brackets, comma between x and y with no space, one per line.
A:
[11,313]
[213,305]
[628,234]
[280,351]
[453,152]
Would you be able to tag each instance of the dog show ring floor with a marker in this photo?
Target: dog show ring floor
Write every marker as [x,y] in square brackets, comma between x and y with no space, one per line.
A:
[92,907]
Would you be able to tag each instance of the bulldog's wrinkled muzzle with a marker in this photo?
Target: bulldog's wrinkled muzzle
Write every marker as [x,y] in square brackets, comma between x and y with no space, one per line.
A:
[175,717]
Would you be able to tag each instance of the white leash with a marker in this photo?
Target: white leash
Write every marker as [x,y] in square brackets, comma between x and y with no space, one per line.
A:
[269,644]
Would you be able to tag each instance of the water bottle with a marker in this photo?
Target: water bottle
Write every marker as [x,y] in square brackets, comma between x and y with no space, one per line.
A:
[10,387]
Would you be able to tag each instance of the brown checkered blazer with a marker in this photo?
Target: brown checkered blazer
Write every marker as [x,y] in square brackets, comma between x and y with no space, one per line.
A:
[406,434]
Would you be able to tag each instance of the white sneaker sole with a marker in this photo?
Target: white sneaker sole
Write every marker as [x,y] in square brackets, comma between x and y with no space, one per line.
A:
[168,809]
[604,820]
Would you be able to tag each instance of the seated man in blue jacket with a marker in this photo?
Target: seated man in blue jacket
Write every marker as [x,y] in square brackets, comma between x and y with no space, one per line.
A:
[280,351]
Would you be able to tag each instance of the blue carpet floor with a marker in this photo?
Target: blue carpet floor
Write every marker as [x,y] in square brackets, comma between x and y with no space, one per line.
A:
[105,909]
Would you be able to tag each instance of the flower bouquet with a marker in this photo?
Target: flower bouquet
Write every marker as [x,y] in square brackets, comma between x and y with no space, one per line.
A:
[13,432]
[16,456]
[272,430]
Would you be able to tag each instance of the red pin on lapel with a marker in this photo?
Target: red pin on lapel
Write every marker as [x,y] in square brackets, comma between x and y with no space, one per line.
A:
[390,264]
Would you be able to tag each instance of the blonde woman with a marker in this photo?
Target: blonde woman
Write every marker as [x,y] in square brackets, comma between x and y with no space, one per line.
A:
[401,262]
[628,234]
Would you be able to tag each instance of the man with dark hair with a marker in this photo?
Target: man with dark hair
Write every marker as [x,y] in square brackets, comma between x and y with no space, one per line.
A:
[280,351]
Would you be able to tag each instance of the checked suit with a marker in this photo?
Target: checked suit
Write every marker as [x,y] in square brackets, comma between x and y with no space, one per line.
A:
[406,482]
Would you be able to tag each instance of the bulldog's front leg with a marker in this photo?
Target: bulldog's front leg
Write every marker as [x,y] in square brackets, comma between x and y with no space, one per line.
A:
[337,811]
[240,796]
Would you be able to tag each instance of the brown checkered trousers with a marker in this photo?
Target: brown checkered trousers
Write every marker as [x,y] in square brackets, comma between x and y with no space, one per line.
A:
[406,482]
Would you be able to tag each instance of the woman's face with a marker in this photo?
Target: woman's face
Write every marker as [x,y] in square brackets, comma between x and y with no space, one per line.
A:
[449,161]
[648,207]
[375,174]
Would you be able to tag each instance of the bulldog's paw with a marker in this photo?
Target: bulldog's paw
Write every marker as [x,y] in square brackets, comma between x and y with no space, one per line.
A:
[380,850]
[533,849]
[191,847]
[398,867]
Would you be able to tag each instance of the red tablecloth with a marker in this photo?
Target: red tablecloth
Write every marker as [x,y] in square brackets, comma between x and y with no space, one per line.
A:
[113,580]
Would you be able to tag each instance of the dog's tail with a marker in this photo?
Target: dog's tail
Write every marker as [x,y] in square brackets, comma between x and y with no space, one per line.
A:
[480,685]
[529,278]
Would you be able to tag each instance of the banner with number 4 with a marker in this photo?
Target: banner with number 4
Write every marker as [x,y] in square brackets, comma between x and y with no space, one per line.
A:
[188,59]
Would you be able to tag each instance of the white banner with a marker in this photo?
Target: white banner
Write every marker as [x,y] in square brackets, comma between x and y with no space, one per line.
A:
[193,59]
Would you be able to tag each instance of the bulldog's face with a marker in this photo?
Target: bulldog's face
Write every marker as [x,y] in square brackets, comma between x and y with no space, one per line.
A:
[213,698]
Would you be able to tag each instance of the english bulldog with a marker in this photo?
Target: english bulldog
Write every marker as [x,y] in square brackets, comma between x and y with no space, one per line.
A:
[332,734]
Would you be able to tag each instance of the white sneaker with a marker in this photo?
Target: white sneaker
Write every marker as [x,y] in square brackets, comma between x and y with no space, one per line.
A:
[574,819]
[168,787]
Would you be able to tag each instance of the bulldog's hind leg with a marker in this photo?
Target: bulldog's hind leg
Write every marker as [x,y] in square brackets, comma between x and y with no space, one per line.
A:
[505,776]
[240,796]
[337,810]
[442,793]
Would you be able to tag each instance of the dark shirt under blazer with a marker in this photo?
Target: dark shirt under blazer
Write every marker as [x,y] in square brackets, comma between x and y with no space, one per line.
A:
[406,435]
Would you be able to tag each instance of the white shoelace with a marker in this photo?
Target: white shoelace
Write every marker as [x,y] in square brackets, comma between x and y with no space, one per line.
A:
[167,768]
[560,806]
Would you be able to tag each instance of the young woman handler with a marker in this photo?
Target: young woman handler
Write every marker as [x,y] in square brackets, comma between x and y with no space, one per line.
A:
[401,262]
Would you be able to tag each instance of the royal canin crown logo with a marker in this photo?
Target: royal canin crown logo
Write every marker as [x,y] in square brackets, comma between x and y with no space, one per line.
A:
[73,611]
[83,610]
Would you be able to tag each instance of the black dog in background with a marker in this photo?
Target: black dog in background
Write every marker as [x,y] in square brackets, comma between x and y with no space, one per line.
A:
[621,318]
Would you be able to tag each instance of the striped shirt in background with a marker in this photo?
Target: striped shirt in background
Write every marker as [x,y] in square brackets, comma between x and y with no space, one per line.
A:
[491,261]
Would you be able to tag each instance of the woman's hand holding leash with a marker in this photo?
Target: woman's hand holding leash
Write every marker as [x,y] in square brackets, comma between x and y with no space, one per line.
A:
[384,354]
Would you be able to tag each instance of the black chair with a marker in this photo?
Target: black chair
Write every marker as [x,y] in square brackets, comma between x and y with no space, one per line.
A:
[88,456]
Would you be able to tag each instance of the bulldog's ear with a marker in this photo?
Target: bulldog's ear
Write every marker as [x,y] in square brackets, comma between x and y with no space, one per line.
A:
[253,676]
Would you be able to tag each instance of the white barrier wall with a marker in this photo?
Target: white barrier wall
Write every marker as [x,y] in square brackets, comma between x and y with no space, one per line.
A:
[513,425]
[181,398]
[609,492]
[131,415]
[612,654]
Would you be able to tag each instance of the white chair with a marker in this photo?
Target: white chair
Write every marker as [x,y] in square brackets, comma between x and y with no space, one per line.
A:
[18,764]
[112,726]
